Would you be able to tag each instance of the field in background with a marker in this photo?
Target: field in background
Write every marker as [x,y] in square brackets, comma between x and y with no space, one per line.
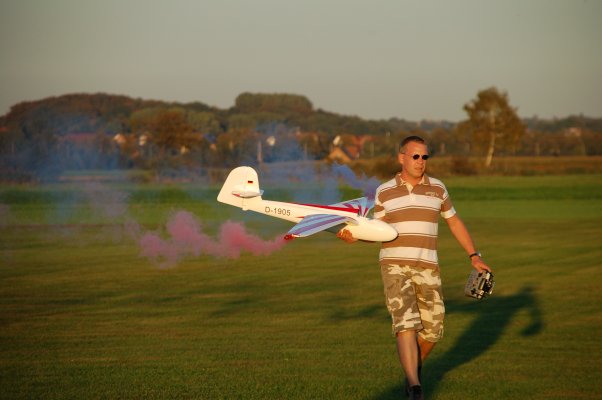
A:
[380,167]
[83,315]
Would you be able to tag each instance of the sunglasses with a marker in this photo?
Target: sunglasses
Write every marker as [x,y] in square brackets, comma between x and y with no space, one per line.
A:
[424,156]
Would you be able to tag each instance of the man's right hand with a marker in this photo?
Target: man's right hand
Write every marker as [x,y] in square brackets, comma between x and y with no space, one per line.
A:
[346,236]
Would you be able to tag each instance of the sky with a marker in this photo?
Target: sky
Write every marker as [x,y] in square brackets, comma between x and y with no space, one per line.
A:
[379,59]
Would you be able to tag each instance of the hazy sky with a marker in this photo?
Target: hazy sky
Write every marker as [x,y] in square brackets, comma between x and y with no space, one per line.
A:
[418,59]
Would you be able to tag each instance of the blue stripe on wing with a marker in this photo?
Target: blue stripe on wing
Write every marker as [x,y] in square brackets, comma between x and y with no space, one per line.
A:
[317,223]
[362,204]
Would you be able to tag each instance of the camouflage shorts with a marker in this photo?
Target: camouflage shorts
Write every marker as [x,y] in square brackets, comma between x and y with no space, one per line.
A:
[414,300]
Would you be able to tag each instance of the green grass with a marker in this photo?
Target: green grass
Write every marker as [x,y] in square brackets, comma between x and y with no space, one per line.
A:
[82,315]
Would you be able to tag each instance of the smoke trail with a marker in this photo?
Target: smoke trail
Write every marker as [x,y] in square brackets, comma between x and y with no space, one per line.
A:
[6,254]
[5,215]
[104,201]
[324,187]
[187,239]
[367,185]
[183,237]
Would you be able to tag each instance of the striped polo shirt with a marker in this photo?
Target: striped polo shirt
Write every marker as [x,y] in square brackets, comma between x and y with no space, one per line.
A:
[414,213]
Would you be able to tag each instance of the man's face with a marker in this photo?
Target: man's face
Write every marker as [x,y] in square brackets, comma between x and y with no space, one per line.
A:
[414,168]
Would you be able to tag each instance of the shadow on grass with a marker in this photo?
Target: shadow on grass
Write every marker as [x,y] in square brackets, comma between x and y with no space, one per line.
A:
[493,316]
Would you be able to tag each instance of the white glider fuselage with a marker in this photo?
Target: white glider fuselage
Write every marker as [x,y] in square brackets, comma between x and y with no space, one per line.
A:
[241,189]
[362,228]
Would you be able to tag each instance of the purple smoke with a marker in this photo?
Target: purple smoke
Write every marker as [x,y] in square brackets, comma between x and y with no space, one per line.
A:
[186,239]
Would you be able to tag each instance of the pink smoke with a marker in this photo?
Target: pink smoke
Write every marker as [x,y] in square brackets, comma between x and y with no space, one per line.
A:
[186,239]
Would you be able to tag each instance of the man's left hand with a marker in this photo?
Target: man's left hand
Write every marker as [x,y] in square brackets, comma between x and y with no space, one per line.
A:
[478,264]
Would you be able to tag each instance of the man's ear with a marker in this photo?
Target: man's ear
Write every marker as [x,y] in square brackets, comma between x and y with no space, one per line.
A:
[400,158]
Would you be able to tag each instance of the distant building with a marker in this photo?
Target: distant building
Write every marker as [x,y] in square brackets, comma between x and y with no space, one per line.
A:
[348,148]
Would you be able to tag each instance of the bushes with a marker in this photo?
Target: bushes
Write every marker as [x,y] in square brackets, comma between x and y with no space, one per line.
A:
[386,167]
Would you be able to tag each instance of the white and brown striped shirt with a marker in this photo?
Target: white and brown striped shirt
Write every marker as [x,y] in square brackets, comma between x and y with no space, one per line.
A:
[414,212]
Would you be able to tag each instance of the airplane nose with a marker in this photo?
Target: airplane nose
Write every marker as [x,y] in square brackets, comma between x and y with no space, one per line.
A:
[373,230]
[386,232]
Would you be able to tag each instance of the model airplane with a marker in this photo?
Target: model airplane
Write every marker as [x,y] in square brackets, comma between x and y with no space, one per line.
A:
[241,189]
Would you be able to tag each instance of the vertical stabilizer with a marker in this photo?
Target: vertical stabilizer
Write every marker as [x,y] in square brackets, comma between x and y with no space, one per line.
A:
[242,183]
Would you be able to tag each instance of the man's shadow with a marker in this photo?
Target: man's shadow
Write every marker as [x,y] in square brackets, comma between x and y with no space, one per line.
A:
[493,316]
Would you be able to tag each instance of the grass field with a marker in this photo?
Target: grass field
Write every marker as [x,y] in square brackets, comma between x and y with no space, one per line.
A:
[83,315]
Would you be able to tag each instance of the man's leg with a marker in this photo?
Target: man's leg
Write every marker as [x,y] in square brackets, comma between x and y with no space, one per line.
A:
[425,348]
[432,311]
[409,356]
[401,300]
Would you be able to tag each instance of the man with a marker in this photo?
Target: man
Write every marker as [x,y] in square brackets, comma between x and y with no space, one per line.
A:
[412,202]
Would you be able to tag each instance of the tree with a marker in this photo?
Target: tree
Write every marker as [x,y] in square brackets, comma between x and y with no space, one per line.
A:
[237,147]
[284,104]
[203,122]
[172,132]
[492,123]
[169,138]
[28,149]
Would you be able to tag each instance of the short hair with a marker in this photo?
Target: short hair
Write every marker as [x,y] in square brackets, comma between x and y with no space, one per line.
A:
[409,139]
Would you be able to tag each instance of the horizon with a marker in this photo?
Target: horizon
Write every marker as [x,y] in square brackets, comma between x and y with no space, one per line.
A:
[315,109]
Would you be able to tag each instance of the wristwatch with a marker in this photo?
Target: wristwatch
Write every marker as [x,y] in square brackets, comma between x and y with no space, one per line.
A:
[474,254]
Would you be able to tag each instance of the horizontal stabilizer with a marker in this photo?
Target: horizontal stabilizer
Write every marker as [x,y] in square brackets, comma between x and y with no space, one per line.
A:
[317,223]
[246,194]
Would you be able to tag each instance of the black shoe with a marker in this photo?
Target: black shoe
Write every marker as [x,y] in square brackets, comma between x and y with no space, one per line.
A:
[406,387]
[416,393]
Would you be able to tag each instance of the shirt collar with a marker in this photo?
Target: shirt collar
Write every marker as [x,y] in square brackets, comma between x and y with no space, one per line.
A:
[424,181]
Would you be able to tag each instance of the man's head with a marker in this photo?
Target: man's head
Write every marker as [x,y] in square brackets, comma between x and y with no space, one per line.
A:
[413,153]
[409,139]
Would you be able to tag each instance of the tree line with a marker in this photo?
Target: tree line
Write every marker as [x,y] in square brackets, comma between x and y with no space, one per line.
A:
[40,139]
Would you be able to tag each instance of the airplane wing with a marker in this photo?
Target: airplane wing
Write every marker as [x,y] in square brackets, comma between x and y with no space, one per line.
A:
[317,223]
[363,205]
